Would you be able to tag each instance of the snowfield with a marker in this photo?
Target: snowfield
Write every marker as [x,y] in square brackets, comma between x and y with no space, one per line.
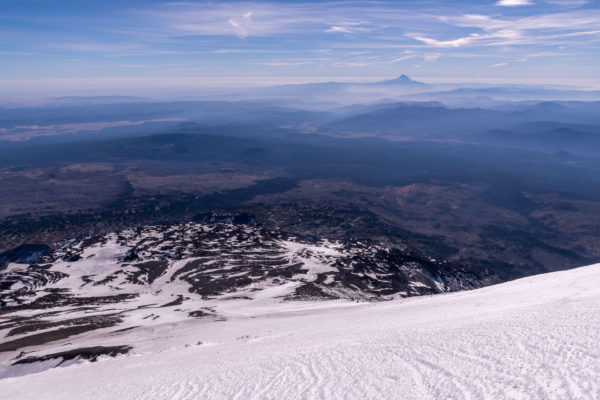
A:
[534,338]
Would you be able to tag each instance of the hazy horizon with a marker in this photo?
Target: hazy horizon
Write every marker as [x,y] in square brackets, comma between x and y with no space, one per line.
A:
[152,47]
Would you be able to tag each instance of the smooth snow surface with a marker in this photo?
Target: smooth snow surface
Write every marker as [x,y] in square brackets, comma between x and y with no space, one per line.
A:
[537,337]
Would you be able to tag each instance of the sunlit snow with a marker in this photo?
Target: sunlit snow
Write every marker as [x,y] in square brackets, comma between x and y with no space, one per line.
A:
[532,338]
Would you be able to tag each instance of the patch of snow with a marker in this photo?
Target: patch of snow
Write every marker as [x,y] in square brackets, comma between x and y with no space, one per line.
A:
[532,338]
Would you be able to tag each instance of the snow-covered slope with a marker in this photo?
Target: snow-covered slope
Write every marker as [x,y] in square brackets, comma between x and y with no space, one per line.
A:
[531,338]
[114,293]
[216,260]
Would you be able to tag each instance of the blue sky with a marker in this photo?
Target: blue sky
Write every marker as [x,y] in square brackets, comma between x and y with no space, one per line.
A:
[135,44]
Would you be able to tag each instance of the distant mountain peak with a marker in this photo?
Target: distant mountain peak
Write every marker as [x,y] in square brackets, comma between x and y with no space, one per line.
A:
[401,80]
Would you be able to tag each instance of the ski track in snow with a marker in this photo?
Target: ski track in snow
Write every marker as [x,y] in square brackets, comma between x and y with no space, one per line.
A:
[534,338]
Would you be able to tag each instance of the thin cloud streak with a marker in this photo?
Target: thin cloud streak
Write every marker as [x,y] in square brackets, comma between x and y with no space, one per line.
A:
[514,3]
[245,39]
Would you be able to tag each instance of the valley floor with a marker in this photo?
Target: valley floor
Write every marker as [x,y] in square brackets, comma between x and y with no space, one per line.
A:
[532,338]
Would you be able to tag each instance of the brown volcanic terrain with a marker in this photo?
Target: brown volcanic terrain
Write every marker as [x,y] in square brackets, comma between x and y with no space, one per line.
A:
[460,225]
[465,204]
[446,220]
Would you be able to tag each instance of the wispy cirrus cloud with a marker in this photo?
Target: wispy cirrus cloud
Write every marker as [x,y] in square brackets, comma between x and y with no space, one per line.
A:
[245,20]
[349,27]
[241,19]
[506,36]
[542,29]
[245,37]
[514,3]
[264,19]
[241,24]
[446,43]
[338,29]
